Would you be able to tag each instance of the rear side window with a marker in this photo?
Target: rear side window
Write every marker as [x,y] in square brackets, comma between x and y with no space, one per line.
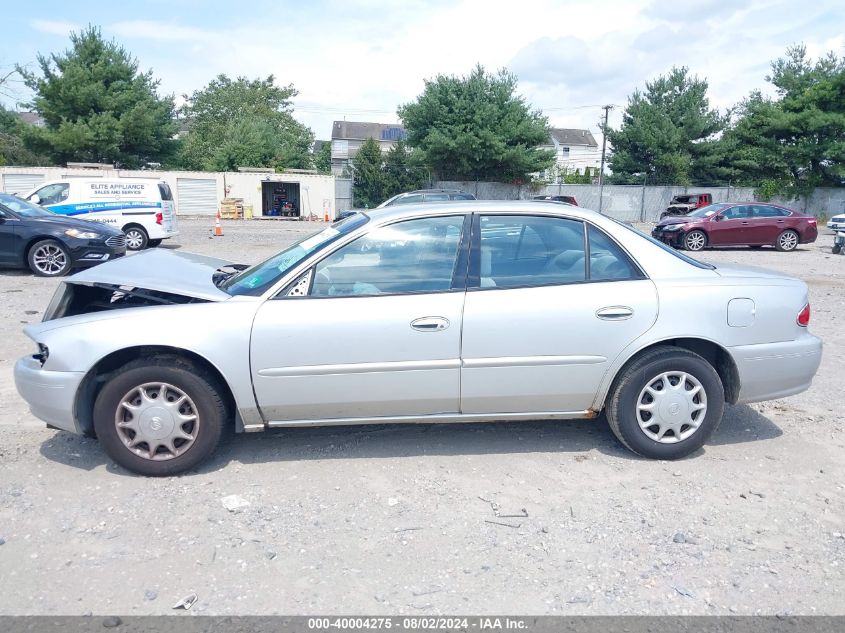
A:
[765,211]
[608,262]
[164,190]
[417,197]
[518,251]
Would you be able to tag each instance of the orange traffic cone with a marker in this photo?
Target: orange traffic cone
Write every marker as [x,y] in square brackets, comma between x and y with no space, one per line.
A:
[218,230]
[326,214]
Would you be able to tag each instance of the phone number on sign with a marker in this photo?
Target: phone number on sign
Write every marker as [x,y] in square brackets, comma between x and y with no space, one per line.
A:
[400,624]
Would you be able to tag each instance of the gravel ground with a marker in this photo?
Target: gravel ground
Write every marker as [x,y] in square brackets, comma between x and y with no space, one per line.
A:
[531,518]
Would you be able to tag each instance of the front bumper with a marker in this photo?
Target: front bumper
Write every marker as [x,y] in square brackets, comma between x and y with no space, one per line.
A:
[672,238]
[776,370]
[50,394]
[91,252]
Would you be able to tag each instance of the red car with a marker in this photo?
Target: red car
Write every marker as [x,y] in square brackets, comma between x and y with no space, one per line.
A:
[752,224]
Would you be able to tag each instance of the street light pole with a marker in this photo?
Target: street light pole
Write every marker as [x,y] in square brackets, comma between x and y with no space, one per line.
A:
[607,110]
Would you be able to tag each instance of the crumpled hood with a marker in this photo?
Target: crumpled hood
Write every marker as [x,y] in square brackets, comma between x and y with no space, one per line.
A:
[162,270]
[675,219]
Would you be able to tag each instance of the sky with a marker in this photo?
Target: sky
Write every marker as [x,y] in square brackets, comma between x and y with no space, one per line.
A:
[361,59]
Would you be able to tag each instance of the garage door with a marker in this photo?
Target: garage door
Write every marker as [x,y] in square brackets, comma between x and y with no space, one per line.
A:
[21,183]
[196,196]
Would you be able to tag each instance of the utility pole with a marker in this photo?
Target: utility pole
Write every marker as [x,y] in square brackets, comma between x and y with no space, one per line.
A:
[607,110]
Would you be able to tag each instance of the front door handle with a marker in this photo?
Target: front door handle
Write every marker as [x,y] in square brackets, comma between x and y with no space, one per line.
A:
[430,324]
[615,313]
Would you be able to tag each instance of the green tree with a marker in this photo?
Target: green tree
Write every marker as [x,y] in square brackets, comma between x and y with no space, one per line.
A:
[13,150]
[403,170]
[97,106]
[477,127]
[368,185]
[668,133]
[244,122]
[323,159]
[796,142]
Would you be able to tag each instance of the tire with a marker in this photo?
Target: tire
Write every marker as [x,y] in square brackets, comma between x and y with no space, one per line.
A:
[49,258]
[629,390]
[837,248]
[756,247]
[136,237]
[194,440]
[695,240]
[787,241]
[153,243]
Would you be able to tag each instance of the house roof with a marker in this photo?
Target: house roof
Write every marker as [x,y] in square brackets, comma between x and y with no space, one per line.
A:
[359,130]
[568,136]
[31,118]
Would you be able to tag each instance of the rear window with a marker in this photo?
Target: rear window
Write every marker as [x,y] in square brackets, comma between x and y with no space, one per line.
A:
[665,247]
[164,190]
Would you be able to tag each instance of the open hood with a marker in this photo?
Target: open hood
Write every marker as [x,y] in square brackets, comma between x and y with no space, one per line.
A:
[159,269]
[152,278]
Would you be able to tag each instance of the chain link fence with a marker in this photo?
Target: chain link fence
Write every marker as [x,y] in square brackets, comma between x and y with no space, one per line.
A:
[637,203]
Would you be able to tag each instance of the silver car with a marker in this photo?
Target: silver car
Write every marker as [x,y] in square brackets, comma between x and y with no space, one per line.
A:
[458,312]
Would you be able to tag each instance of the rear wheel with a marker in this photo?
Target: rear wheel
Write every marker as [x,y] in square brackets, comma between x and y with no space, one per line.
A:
[666,404]
[159,416]
[136,237]
[695,240]
[787,241]
[48,258]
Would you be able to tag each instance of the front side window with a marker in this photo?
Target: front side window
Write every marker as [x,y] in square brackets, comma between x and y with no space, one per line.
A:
[735,213]
[23,208]
[518,251]
[53,194]
[413,256]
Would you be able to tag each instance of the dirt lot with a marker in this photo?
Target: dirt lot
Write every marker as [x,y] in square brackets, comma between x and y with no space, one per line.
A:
[399,519]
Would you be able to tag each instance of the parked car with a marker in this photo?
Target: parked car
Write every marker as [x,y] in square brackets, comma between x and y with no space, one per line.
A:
[426,195]
[52,245]
[142,208]
[458,312]
[754,224]
[684,204]
[837,222]
[567,199]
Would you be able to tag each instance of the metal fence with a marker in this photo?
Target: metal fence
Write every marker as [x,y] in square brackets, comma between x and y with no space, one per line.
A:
[342,193]
[636,203]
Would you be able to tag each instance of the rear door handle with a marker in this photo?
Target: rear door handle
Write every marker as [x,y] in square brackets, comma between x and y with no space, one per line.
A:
[615,313]
[430,324]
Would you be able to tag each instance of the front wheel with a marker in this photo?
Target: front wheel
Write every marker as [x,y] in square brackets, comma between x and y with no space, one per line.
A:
[159,416]
[48,258]
[136,238]
[695,240]
[787,241]
[666,404]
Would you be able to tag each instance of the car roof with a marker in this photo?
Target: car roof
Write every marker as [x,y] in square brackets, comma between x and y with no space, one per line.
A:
[514,207]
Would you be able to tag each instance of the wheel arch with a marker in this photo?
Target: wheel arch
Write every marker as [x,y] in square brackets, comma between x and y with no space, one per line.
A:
[100,372]
[718,357]
[34,240]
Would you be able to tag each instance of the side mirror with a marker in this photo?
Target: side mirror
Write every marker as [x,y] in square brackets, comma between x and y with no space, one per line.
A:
[718,218]
[35,199]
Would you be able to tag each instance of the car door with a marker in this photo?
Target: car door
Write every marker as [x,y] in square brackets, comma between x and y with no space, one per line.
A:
[51,196]
[729,227]
[372,330]
[541,325]
[8,240]
[765,224]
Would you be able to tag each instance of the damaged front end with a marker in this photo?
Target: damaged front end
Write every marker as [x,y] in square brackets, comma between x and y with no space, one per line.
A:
[72,299]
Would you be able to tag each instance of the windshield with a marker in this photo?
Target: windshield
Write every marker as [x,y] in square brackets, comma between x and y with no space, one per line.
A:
[706,212]
[22,207]
[665,247]
[258,279]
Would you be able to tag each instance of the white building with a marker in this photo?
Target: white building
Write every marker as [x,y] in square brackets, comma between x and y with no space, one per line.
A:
[348,136]
[574,151]
[200,193]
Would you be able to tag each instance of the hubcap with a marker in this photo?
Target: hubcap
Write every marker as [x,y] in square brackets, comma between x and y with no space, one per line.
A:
[695,241]
[671,407]
[788,241]
[157,421]
[49,259]
[134,239]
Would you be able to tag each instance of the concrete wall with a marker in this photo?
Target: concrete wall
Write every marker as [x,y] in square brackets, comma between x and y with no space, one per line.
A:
[633,203]
[317,191]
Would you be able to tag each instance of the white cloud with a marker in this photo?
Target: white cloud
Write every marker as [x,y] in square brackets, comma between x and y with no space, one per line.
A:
[54,27]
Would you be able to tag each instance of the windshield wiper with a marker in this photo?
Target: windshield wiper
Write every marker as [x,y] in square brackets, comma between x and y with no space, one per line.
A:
[221,274]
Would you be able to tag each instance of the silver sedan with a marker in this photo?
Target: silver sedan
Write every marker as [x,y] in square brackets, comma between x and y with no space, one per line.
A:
[454,312]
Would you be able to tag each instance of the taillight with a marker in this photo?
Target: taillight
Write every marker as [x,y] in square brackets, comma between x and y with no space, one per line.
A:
[159,218]
[812,221]
[804,316]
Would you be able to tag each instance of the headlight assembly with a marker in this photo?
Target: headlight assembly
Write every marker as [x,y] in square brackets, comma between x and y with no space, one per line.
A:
[82,235]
